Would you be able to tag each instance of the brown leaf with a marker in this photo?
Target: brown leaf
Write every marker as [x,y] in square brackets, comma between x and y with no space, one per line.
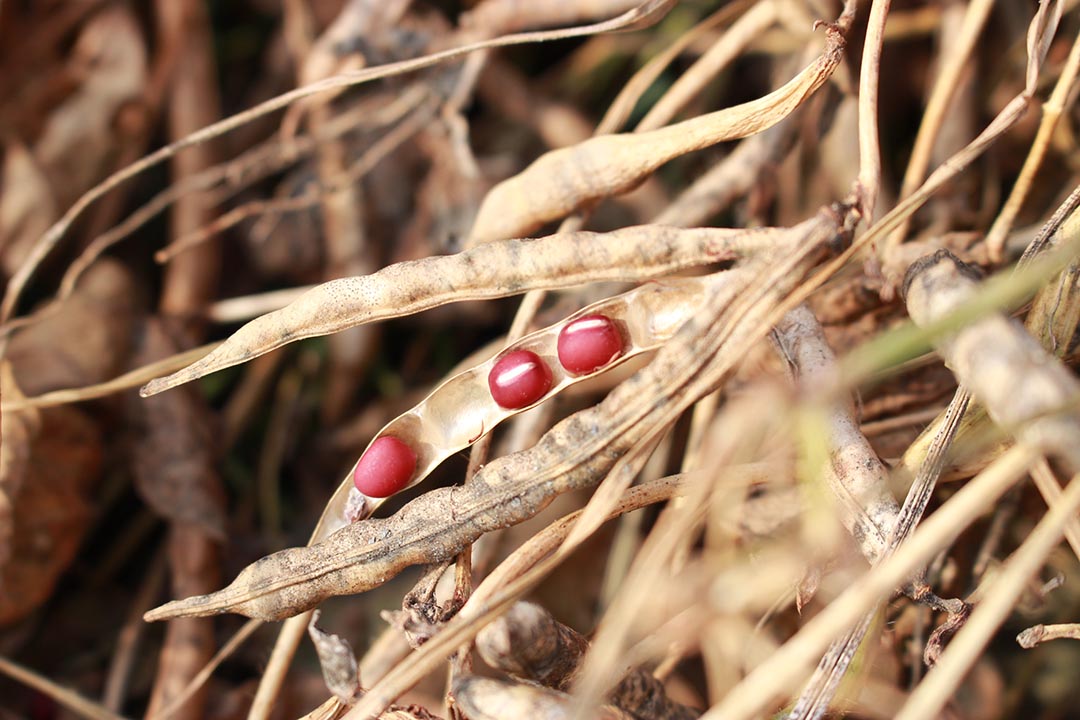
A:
[50,460]
[49,465]
[172,447]
[27,206]
[337,659]
[79,137]
[83,340]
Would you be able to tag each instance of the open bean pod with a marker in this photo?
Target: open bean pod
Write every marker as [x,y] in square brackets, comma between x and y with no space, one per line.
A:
[467,406]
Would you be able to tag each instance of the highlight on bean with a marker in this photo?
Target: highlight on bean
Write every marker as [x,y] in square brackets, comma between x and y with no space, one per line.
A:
[519,379]
[588,344]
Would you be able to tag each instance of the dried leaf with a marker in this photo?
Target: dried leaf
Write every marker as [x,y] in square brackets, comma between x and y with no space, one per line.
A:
[49,466]
[51,459]
[27,206]
[577,453]
[81,341]
[172,447]
[487,699]
[338,661]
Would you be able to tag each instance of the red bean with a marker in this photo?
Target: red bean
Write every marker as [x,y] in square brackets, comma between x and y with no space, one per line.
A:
[519,379]
[386,467]
[589,343]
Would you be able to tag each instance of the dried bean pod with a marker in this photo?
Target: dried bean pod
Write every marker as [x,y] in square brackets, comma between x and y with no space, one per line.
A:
[575,454]
[496,270]
[563,180]
[460,410]
[1023,387]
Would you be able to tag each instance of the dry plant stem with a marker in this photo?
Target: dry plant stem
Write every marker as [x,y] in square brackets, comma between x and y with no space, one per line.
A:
[127,640]
[869,178]
[856,476]
[794,659]
[63,696]
[188,283]
[1013,111]
[741,33]
[1044,633]
[1022,387]
[933,693]
[563,180]
[953,64]
[624,103]
[494,270]
[246,307]
[343,225]
[500,16]
[1048,487]
[1052,110]
[204,674]
[128,380]
[815,698]
[289,636]
[665,543]
[193,104]
[649,11]
[255,164]
[331,186]
[188,644]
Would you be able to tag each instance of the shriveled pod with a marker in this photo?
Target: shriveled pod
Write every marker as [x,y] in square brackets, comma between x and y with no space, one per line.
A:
[462,409]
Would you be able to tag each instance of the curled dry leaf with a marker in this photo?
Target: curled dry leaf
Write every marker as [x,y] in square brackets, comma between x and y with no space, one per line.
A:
[496,270]
[575,454]
[528,643]
[337,659]
[488,699]
[566,179]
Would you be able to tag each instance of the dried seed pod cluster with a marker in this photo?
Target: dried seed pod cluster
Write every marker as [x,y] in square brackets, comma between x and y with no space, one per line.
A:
[786,499]
[730,309]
